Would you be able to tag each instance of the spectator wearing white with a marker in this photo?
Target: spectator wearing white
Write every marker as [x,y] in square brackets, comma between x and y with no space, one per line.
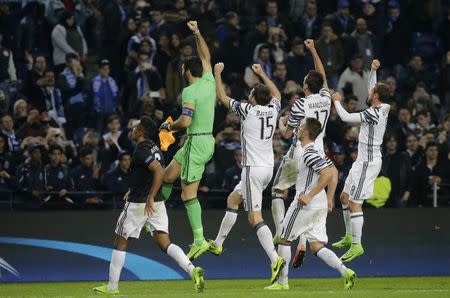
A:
[136,40]
[356,77]
[7,68]
[67,38]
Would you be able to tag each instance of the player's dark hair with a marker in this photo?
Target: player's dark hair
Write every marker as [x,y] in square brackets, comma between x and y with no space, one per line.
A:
[314,127]
[194,65]
[314,80]
[147,126]
[383,91]
[85,151]
[431,144]
[55,147]
[262,94]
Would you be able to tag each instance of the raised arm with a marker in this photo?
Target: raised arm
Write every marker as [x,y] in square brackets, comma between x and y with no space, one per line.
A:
[257,69]
[343,114]
[309,43]
[373,74]
[202,47]
[220,90]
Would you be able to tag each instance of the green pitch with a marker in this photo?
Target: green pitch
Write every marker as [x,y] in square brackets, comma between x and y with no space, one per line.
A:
[307,287]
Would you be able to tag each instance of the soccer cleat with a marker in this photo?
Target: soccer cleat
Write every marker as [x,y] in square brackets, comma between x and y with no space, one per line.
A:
[355,250]
[299,257]
[276,269]
[276,240]
[349,279]
[198,250]
[197,278]
[104,290]
[215,249]
[345,242]
[277,286]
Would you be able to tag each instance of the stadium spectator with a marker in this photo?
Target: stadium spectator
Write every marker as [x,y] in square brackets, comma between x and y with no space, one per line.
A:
[311,22]
[4,103]
[105,94]
[414,151]
[261,56]
[280,75]
[111,138]
[56,9]
[72,84]
[395,96]
[164,54]
[116,179]
[20,113]
[8,131]
[233,173]
[8,180]
[351,103]
[136,40]
[34,74]
[354,81]
[427,174]
[174,80]
[230,27]
[85,177]
[364,42]
[397,167]
[7,67]
[331,53]
[67,38]
[122,39]
[341,21]
[343,167]
[423,123]
[30,174]
[56,177]
[227,141]
[53,99]
[415,73]
[297,62]
[255,37]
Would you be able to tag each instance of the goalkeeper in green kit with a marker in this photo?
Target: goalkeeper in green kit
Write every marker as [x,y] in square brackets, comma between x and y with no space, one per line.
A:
[198,100]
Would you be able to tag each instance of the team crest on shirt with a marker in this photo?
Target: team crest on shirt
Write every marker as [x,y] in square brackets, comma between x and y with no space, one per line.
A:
[60,175]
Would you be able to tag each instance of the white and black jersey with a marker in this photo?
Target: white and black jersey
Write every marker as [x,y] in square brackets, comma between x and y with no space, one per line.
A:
[371,134]
[310,166]
[313,106]
[258,124]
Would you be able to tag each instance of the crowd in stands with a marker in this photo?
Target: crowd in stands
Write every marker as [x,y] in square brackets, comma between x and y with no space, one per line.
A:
[75,75]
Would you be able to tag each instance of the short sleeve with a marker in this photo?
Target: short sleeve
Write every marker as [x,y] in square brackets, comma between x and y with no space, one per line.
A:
[188,95]
[144,157]
[313,160]
[324,92]
[239,108]
[275,103]
[208,76]
[297,113]
[370,116]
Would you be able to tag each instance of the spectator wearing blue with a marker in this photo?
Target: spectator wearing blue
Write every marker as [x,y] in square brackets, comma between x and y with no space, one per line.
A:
[71,82]
[116,180]
[231,26]
[343,167]
[56,177]
[7,166]
[298,63]
[85,178]
[342,21]
[233,173]
[104,94]
[31,174]
[8,130]
[136,40]
[311,22]
[53,98]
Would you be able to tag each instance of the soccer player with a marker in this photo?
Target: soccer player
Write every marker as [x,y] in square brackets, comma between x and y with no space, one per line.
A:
[145,207]
[360,180]
[198,100]
[316,104]
[258,123]
[308,212]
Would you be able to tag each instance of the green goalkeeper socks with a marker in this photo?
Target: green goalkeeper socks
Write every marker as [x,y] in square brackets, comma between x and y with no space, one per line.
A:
[194,212]
[166,190]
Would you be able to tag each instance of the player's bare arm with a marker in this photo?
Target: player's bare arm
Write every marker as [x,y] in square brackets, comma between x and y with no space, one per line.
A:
[318,65]
[343,114]
[183,122]
[325,177]
[373,74]
[257,69]
[158,175]
[331,189]
[220,89]
[202,47]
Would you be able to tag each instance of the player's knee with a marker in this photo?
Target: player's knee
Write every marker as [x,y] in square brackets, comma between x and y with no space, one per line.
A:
[315,246]
[162,239]
[254,218]
[120,243]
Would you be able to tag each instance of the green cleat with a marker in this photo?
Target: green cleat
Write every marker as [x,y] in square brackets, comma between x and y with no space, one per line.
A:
[104,290]
[345,242]
[198,250]
[276,240]
[277,286]
[355,250]
[349,279]
[276,269]
[215,249]
[197,278]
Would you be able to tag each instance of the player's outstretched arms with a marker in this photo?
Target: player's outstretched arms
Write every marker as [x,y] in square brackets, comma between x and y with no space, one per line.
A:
[257,69]
[318,65]
[202,47]
[325,177]
[343,114]
[373,74]
[220,89]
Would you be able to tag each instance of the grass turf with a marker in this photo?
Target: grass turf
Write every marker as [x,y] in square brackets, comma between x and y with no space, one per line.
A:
[307,287]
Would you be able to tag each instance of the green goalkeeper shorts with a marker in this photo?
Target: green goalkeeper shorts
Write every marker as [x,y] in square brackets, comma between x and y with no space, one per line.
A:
[196,152]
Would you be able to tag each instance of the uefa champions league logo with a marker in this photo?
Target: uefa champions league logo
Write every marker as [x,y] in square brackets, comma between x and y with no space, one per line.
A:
[8,267]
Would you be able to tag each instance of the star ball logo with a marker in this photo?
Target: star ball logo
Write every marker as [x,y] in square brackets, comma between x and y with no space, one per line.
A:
[8,267]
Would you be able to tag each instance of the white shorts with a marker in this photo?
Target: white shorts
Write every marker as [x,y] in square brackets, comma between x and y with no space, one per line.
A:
[360,180]
[311,223]
[133,219]
[288,170]
[254,181]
